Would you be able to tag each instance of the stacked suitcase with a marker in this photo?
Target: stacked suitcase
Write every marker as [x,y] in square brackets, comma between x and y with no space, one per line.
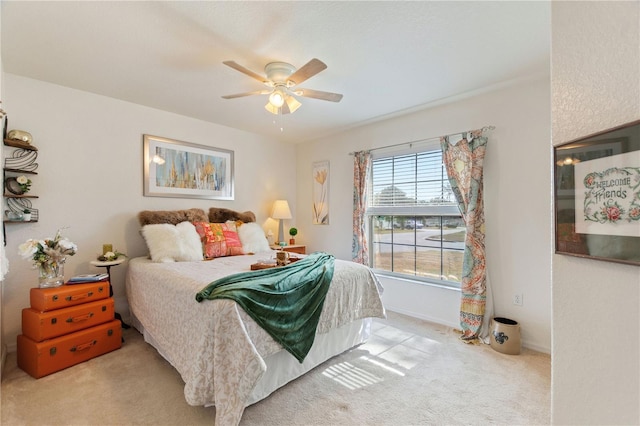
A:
[65,326]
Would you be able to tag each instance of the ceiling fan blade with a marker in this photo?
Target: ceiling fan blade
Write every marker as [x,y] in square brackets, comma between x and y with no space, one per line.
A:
[239,95]
[307,71]
[246,71]
[318,94]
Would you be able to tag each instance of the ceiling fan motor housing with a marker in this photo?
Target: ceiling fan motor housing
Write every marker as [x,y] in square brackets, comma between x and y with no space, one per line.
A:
[279,72]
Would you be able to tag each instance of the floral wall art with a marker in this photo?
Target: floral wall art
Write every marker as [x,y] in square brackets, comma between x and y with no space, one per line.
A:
[597,195]
[321,193]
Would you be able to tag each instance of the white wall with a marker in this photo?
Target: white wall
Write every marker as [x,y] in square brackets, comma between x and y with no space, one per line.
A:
[596,86]
[517,200]
[3,346]
[90,178]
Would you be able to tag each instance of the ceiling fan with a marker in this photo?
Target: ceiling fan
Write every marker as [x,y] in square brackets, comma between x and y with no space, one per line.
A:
[282,80]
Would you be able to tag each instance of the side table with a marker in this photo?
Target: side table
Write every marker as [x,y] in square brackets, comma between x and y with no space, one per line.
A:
[108,265]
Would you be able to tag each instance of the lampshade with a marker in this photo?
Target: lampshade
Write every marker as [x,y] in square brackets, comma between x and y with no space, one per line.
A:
[281,210]
[292,103]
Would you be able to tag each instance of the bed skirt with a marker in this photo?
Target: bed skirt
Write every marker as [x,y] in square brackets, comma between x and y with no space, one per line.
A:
[282,367]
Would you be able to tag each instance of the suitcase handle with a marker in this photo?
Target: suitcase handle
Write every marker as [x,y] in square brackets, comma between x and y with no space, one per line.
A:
[80,318]
[83,347]
[79,296]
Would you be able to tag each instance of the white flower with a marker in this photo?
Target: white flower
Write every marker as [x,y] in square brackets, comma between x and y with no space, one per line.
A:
[68,246]
[28,248]
[109,254]
[22,180]
[48,250]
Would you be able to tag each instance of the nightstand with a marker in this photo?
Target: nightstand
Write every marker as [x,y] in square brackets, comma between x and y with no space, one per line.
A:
[108,265]
[294,248]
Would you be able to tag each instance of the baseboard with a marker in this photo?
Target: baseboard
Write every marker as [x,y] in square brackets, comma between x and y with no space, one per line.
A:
[525,344]
[422,316]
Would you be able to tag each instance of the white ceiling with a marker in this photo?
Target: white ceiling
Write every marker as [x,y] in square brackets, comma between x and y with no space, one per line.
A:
[385,57]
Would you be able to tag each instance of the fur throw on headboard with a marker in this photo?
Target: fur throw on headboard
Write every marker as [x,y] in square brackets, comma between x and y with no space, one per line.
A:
[173,217]
[217,215]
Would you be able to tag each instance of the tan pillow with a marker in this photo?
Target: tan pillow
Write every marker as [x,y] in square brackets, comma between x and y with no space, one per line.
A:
[172,217]
[219,215]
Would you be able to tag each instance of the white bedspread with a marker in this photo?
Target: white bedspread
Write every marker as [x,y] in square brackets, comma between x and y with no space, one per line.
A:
[216,347]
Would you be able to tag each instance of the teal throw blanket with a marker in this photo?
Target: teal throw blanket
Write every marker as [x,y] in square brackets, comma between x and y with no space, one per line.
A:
[286,301]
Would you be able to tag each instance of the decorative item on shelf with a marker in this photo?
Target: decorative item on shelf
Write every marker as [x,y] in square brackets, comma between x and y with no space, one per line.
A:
[26,215]
[24,182]
[17,206]
[14,187]
[23,159]
[270,237]
[48,256]
[110,256]
[293,232]
[11,215]
[20,135]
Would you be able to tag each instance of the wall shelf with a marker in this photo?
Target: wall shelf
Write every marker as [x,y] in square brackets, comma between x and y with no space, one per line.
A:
[24,156]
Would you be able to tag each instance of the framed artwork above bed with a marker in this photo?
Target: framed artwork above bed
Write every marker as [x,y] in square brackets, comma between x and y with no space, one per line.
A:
[186,170]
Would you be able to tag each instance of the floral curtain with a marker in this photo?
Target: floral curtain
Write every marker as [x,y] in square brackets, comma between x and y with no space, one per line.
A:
[361,170]
[464,163]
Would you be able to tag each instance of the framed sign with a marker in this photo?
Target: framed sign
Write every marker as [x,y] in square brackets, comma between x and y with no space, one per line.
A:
[181,169]
[597,195]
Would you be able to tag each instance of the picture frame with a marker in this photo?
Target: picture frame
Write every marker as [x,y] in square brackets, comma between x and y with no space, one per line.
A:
[175,168]
[320,193]
[597,195]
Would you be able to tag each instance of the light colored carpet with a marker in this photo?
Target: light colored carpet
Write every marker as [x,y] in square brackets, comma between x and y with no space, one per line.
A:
[410,372]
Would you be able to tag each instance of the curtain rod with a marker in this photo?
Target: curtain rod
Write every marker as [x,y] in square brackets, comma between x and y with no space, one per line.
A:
[427,139]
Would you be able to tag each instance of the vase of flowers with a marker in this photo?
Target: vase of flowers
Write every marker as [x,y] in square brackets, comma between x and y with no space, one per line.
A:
[48,256]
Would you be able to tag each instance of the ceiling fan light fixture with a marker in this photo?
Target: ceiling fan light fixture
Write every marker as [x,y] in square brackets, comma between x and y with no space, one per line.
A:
[292,103]
[277,98]
[272,109]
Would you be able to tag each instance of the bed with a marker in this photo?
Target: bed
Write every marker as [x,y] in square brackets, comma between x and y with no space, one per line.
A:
[224,357]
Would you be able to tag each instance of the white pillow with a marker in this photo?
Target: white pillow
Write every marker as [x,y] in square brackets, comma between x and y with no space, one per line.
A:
[169,243]
[191,248]
[252,238]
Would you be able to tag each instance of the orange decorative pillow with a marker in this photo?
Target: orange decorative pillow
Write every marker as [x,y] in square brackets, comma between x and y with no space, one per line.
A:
[218,239]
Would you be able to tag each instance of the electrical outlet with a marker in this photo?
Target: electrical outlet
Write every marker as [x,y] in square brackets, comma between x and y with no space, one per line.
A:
[517,299]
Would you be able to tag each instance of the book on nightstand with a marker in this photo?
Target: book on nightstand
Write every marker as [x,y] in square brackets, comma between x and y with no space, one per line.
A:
[87,278]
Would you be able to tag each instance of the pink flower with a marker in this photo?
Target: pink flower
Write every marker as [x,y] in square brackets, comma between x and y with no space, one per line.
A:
[613,213]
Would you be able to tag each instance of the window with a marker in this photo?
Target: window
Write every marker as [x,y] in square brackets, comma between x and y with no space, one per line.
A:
[415,227]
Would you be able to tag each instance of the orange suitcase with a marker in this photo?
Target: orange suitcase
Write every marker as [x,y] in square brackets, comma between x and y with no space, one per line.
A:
[42,358]
[47,299]
[41,326]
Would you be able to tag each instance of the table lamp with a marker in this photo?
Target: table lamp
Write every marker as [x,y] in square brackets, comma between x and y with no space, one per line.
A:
[280,212]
